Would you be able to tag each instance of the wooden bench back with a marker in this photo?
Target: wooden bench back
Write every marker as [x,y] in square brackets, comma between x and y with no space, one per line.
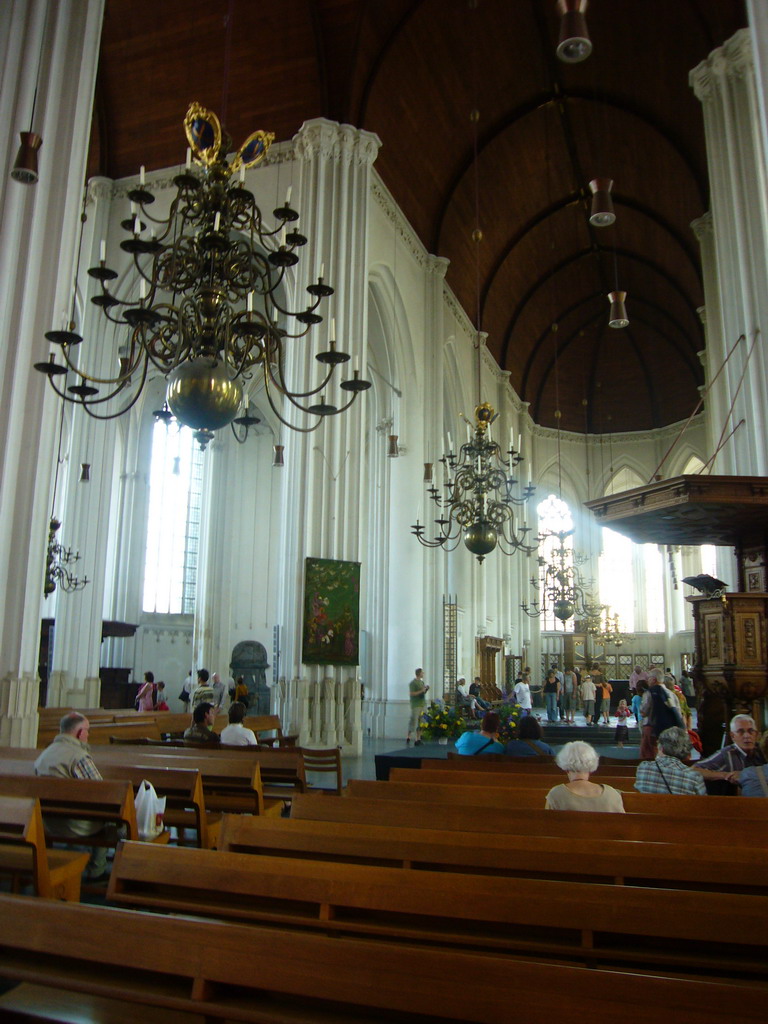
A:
[579,860]
[414,813]
[181,787]
[224,973]
[588,922]
[528,790]
[229,783]
[496,763]
[102,801]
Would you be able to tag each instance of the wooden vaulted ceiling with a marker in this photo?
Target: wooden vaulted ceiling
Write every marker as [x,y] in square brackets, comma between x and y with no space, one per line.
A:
[413,71]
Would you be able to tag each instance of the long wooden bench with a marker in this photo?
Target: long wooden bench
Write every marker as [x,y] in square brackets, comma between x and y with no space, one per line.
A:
[262,724]
[100,732]
[530,795]
[682,866]
[578,923]
[224,973]
[103,802]
[500,763]
[647,828]
[528,791]
[183,791]
[54,874]
[282,771]
[229,783]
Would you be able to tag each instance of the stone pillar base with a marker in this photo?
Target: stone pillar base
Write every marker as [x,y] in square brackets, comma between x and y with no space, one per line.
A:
[18,711]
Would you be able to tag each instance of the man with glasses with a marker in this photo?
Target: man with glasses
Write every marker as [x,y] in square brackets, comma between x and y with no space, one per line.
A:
[727,764]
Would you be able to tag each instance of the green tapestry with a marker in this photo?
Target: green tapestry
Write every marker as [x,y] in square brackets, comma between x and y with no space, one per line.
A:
[331,612]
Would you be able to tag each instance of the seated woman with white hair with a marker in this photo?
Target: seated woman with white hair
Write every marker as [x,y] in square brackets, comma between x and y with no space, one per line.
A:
[578,760]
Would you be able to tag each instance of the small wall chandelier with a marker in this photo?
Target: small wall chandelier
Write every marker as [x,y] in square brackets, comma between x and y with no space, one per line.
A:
[208,315]
[479,503]
[563,592]
[58,560]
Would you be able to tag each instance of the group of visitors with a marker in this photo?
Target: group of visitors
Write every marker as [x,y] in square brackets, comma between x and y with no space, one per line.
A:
[233,735]
[529,741]
[151,695]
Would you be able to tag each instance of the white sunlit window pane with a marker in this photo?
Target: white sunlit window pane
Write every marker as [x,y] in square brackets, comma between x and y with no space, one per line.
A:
[616,577]
[172,531]
[653,563]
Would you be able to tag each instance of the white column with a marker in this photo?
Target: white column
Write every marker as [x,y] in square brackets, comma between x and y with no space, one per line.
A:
[725,85]
[324,482]
[38,229]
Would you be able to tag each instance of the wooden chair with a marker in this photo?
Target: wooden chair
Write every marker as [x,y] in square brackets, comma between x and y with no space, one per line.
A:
[328,761]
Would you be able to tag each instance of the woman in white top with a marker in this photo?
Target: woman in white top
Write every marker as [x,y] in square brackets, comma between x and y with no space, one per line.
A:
[235,734]
[579,760]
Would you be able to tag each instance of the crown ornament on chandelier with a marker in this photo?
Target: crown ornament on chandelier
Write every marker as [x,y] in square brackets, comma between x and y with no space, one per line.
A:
[479,503]
[208,315]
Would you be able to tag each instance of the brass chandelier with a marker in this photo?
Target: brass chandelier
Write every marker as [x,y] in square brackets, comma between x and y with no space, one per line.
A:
[208,315]
[478,506]
[563,592]
[604,627]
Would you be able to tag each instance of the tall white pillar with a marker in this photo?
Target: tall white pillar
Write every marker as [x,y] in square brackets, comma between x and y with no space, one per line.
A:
[324,482]
[725,84]
[38,230]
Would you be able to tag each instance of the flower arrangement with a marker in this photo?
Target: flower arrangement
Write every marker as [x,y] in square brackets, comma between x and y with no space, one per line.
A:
[509,716]
[437,723]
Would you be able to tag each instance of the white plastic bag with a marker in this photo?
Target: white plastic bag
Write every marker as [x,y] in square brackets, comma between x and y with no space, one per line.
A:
[150,809]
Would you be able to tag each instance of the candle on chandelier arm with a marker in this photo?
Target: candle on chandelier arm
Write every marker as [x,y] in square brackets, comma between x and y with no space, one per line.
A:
[141,175]
[242,173]
[103,251]
[519,442]
[249,302]
[245,402]
[143,289]
[217,221]
[133,209]
[450,442]
[322,271]
[189,158]
[333,328]
[288,195]
[136,225]
[469,433]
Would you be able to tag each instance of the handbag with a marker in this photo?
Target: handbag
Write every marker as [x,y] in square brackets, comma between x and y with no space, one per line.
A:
[150,809]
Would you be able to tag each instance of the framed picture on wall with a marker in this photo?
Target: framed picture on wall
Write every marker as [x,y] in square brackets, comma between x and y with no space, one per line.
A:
[331,634]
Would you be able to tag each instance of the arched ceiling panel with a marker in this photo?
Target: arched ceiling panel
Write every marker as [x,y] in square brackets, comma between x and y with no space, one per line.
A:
[412,71]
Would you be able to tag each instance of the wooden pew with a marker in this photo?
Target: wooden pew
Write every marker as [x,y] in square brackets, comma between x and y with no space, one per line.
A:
[102,802]
[718,809]
[317,979]
[183,791]
[54,874]
[507,780]
[101,732]
[530,790]
[681,866]
[181,785]
[648,828]
[261,724]
[497,763]
[229,783]
[578,923]
[282,771]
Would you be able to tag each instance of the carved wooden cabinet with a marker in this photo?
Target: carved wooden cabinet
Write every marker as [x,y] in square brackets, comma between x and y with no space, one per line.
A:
[731,673]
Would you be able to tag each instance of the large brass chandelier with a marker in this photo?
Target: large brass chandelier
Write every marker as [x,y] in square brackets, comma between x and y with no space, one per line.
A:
[562,591]
[479,503]
[208,315]
[604,627]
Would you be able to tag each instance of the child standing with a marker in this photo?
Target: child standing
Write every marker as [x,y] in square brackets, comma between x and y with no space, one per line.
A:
[622,732]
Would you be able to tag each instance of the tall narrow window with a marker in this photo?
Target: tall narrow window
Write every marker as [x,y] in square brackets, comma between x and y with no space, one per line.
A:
[173,528]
